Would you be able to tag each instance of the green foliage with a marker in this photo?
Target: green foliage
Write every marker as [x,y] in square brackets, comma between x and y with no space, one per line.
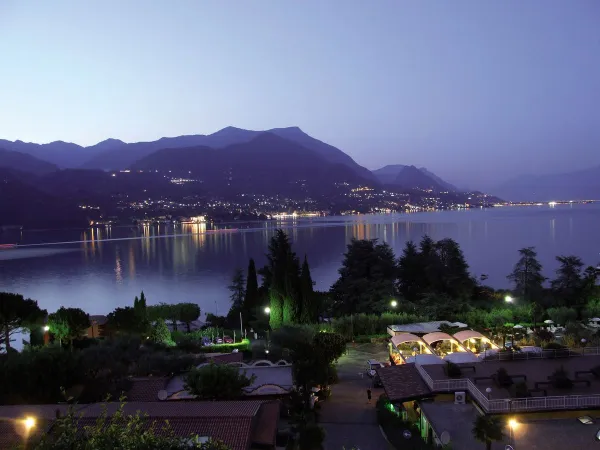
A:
[394,427]
[17,313]
[68,323]
[160,334]
[217,382]
[310,309]
[527,275]
[521,390]
[453,370]
[562,315]
[238,294]
[592,308]
[488,429]
[568,286]
[560,379]
[370,324]
[276,313]
[367,278]
[186,313]
[311,437]
[502,378]
[251,304]
[118,431]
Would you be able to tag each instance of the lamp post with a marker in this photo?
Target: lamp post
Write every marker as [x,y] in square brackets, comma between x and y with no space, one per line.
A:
[488,391]
[393,303]
[512,425]
[508,299]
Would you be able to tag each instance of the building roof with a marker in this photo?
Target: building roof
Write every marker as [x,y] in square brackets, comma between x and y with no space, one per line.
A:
[237,423]
[462,357]
[402,382]
[405,337]
[423,327]
[437,336]
[270,380]
[145,389]
[468,334]
[100,320]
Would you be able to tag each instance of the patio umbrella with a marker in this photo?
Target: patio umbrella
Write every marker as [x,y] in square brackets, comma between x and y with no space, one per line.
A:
[548,321]
[518,327]
[595,319]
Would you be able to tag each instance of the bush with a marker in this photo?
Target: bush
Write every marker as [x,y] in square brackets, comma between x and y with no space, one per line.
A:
[371,324]
[160,334]
[311,437]
[521,390]
[553,346]
[371,338]
[453,370]
[560,379]
[394,427]
[502,378]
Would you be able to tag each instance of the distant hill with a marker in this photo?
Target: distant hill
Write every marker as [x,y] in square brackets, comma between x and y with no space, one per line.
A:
[62,154]
[411,177]
[24,204]
[125,155]
[578,185]
[24,162]
[266,164]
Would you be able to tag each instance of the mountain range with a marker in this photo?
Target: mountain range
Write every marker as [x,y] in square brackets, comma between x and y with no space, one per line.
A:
[577,185]
[114,154]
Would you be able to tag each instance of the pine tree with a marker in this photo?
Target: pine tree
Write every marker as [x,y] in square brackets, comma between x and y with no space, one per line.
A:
[527,275]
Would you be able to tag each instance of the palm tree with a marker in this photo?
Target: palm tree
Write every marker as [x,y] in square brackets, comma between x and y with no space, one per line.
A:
[488,429]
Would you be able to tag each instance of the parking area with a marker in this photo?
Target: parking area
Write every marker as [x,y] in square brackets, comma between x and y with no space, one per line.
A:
[348,418]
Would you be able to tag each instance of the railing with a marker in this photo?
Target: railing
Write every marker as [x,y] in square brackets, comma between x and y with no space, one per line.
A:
[509,405]
[543,354]
[543,403]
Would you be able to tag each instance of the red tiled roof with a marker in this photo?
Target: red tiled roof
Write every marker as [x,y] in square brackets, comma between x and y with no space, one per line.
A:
[402,382]
[145,389]
[234,431]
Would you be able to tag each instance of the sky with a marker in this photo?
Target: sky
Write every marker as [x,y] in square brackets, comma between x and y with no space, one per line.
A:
[477,92]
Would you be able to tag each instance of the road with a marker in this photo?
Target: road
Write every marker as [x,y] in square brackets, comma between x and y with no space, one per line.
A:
[349,420]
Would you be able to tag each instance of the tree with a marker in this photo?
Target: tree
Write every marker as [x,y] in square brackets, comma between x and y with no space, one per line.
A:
[412,280]
[308,311]
[119,431]
[69,323]
[562,315]
[238,293]
[488,429]
[568,284]
[367,278]
[141,311]
[160,334]
[251,295]
[123,320]
[217,382]
[281,279]
[17,313]
[187,313]
[527,275]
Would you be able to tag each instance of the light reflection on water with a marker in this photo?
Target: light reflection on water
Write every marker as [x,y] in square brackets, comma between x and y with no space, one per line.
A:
[174,264]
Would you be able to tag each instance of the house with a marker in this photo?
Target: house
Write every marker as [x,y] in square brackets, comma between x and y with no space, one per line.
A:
[97,327]
[242,425]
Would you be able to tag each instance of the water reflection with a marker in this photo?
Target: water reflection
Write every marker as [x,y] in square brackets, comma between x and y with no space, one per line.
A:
[189,263]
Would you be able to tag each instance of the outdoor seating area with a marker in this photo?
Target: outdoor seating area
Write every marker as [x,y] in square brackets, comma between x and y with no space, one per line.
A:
[573,376]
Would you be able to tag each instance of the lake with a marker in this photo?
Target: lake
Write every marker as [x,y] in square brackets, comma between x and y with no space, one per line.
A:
[176,264]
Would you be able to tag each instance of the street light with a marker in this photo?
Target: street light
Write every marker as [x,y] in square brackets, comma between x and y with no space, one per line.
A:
[512,425]
[29,423]
[46,328]
[508,299]
[394,303]
[267,310]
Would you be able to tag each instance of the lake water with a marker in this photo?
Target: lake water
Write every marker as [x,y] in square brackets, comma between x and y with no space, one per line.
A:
[101,274]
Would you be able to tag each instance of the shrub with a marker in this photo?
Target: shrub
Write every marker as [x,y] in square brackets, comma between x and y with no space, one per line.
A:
[160,334]
[311,437]
[217,382]
[502,378]
[544,335]
[521,390]
[453,370]
[560,379]
[553,346]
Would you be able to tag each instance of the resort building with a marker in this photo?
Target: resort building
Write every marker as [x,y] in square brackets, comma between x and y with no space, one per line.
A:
[541,393]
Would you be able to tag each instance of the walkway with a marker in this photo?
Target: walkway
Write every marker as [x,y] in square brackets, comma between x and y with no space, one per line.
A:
[346,416]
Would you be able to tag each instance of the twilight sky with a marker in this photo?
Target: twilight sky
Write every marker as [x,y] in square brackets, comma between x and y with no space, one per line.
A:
[474,91]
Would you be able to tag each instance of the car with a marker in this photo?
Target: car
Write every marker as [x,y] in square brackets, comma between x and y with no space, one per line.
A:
[371,366]
[206,341]
[219,340]
[228,340]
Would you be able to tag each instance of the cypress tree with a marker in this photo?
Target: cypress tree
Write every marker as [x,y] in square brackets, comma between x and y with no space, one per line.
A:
[308,312]
[251,304]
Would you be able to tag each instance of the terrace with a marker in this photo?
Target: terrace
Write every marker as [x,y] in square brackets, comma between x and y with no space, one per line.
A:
[526,386]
